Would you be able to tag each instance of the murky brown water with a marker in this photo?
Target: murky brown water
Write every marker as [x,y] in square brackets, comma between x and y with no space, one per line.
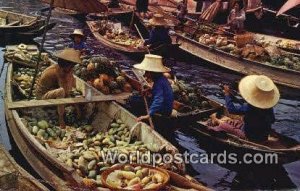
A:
[199,74]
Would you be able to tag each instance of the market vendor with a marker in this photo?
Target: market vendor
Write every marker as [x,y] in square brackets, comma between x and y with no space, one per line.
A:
[261,95]
[57,80]
[78,41]
[162,93]
[142,8]
[159,34]
[182,11]
[237,17]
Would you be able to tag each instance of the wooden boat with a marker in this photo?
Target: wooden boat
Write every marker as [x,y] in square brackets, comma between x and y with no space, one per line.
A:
[49,167]
[127,48]
[287,149]
[111,44]
[283,77]
[14,177]
[14,23]
[185,114]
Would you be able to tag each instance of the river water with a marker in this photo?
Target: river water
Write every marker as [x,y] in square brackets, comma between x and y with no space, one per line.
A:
[198,73]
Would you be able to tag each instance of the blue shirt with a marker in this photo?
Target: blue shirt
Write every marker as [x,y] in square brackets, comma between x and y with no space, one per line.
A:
[80,46]
[162,97]
[158,36]
[257,122]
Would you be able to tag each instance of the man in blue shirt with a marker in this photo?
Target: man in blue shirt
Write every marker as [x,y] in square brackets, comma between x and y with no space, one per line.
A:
[261,95]
[162,93]
[78,41]
[159,34]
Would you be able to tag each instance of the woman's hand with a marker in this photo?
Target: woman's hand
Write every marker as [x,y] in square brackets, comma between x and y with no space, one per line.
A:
[141,118]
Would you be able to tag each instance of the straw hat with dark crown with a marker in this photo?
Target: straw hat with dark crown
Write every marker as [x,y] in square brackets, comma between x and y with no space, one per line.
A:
[77,32]
[158,20]
[259,91]
[70,55]
[152,63]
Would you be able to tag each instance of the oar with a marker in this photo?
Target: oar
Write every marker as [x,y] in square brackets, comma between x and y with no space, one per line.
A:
[143,81]
[141,37]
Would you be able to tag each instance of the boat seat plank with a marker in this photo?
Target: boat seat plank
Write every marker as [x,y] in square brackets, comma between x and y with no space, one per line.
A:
[13,23]
[52,102]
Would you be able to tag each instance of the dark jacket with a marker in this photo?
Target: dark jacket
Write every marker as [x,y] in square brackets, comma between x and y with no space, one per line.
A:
[162,97]
[158,36]
[257,122]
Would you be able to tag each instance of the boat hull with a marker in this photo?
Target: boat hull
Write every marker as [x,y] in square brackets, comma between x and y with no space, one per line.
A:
[283,77]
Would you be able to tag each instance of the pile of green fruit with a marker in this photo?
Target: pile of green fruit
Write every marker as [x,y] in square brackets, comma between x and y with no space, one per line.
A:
[84,147]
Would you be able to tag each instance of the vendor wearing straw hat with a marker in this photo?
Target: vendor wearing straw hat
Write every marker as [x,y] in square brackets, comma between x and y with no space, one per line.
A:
[159,34]
[162,93]
[261,95]
[57,80]
[78,41]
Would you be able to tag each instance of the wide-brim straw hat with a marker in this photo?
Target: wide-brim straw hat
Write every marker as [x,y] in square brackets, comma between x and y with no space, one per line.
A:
[259,91]
[158,20]
[77,32]
[70,54]
[152,63]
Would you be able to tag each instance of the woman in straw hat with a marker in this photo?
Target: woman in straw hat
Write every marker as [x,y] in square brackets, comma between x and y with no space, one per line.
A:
[162,93]
[57,80]
[78,41]
[159,34]
[261,95]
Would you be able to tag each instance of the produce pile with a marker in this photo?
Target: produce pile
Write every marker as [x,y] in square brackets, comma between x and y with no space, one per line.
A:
[99,72]
[187,95]
[23,55]
[22,79]
[259,51]
[82,146]
[119,36]
[136,178]
[287,44]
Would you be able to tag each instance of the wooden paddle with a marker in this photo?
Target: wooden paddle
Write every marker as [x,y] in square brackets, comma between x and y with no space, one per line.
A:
[141,37]
[143,82]
[63,101]
[181,181]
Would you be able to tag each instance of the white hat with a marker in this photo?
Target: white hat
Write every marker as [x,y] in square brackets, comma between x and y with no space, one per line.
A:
[70,54]
[152,63]
[259,91]
[77,32]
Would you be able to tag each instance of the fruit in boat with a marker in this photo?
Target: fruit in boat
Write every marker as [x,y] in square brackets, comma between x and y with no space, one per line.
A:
[43,124]
[113,85]
[104,78]
[121,80]
[105,90]
[90,67]
[98,84]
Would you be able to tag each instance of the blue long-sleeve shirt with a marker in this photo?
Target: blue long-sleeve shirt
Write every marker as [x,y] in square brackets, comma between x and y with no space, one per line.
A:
[162,97]
[158,36]
[257,122]
[80,46]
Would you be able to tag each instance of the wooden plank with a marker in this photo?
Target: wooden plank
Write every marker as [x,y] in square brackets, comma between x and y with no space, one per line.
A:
[52,102]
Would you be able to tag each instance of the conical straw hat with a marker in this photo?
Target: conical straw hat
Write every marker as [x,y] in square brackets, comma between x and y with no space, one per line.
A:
[158,20]
[70,54]
[259,91]
[77,32]
[152,63]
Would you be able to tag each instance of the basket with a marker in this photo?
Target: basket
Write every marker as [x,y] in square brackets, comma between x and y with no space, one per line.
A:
[105,174]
